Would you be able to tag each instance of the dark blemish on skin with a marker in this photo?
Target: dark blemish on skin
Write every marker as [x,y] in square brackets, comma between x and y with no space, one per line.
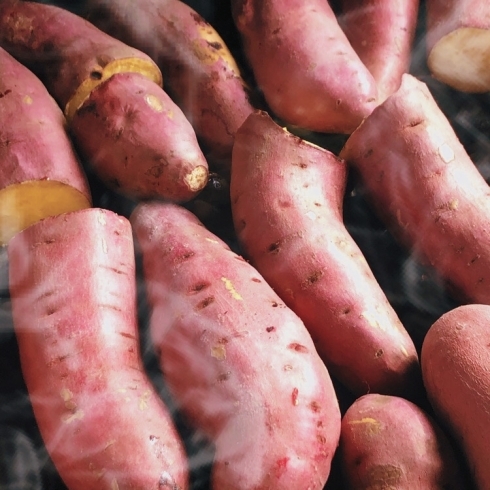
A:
[300,165]
[215,45]
[315,407]
[198,287]
[205,302]
[273,248]
[275,304]
[270,329]
[313,278]
[298,347]
[8,91]
[127,335]
[185,256]
[96,75]
[254,279]
[346,311]
[378,353]
[416,122]
[224,376]
[368,153]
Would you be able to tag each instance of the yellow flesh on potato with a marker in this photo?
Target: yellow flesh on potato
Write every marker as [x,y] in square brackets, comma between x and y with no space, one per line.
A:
[24,204]
[462,60]
[101,74]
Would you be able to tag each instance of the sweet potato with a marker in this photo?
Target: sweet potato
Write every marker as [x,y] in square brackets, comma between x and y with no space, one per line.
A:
[286,198]
[302,61]
[72,284]
[73,58]
[200,72]
[389,442]
[155,141]
[239,363]
[458,43]
[381,33]
[40,174]
[424,185]
[455,366]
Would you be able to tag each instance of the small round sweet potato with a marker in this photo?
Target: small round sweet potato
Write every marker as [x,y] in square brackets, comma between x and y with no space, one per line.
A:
[456,372]
[389,442]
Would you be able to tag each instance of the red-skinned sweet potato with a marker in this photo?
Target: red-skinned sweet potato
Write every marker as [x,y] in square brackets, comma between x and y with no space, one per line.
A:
[426,188]
[239,363]
[200,73]
[389,442]
[302,61]
[381,33]
[458,43]
[73,292]
[455,367]
[40,174]
[286,198]
[156,144]
[73,58]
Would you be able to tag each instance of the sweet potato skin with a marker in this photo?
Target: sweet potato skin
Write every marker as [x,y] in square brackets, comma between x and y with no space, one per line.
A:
[66,51]
[200,72]
[382,33]
[34,144]
[389,442]
[72,286]
[426,188]
[455,367]
[239,363]
[139,141]
[453,56]
[286,198]
[302,61]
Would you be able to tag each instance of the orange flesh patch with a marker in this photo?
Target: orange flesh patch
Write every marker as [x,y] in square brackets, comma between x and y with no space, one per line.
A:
[24,204]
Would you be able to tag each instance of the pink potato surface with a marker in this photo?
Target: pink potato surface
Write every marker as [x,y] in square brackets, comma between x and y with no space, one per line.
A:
[309,73]
[389,442]
[382,33]
[200,72]
[425,187]
[286,198]
[239,363]
[456,371]
[458,43]
[73,293]
[40,174]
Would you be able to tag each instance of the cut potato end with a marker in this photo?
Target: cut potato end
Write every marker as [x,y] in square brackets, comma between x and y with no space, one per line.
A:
[127,65]
[462,60]
[197,179]
[24,204]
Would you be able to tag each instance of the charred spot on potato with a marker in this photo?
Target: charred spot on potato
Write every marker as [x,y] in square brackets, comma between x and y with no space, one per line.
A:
[298,347]
[205,302]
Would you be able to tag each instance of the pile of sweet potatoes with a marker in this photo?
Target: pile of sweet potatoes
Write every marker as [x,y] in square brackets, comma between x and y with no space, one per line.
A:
[246,243]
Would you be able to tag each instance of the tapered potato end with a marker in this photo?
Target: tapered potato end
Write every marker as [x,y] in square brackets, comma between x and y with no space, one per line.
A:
[461,59]
[24,204]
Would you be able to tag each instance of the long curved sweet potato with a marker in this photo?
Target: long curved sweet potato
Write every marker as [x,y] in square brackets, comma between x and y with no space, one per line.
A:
[389,442]
[381,33]
[40,174]
[73,292]
[200,73]
[240,364]
[73,58]
[456,370]
[426,188]
[286,198]
[458,43]
[305,66]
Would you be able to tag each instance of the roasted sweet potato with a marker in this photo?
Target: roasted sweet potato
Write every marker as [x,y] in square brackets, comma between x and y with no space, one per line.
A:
[286,198]
[456,371]
[458,43]
[72,284]
[381,33]
[240,364]
[40,174]
[389,442]
[424,185]
[73,58]
[305,66]
[200,72]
